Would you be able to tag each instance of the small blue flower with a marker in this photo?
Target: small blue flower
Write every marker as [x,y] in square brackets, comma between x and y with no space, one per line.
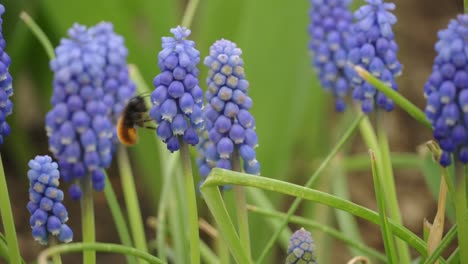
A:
[373,47]
[6,85]
[301,248]
[80,125]
[446,91]
[48,214]
[177,98]
[230,126]
[330,29]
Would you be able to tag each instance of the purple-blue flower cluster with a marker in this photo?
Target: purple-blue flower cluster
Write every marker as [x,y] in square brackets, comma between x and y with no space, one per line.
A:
[330,29]
[231,127]
[301,248]
[447,91]
[117,85]
[373,47]
[177,98]
[6,87]
[79,126]
[48,214]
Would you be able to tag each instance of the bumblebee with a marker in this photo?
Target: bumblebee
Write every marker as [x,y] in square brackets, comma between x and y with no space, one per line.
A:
[134,114]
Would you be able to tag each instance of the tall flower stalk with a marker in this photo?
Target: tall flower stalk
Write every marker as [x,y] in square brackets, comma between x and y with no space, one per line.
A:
[177,109]
[91,85]
[6,108]
[447,107]
[230,126]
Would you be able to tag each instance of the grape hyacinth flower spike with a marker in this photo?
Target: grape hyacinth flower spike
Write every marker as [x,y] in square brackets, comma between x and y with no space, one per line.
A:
[230,126]
[177,99]
[301,248]
[330,29]
[79,125]
[6,87]
[48,214]
[373,48]
[446,91]
[117,85]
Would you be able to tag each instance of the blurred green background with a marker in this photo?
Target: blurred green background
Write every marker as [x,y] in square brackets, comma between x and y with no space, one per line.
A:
[295,120]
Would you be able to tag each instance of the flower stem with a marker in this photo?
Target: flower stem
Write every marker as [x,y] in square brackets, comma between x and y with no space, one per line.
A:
[40,35]
[309,183]
[56,259]
[461,212]
[387,235]
[103,247]
[241,206]
[387,179]
[7,219]
[87,216]
[119,220]
[191,203]
[131,201]
[465,4]
[189,13]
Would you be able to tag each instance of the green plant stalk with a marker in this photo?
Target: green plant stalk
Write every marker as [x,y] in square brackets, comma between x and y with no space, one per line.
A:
[227,231]
[118,217]
[400,100]
[465,4]
[241,206]
[258,197]
[7,219]
[178,223]
[346,222]
[222,251]
[189,13]
[102,247]
[462,213]
[208,255]
[390,190]
[222,177]
[389,245]
[131,200]
[347,135]
[40,35]
[360,162]
[444,243]
[56,259]
[194,237]
[4,249]
[87,219]
[163,205]
[455,257]
[348,240]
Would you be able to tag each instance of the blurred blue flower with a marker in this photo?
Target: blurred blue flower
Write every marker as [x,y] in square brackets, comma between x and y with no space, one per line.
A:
[177,98]
[446,91]
[230,126]
[48,214]
[373,47]
[79,126]
[6,85]
[301,248]
[117,85]
[330,29]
